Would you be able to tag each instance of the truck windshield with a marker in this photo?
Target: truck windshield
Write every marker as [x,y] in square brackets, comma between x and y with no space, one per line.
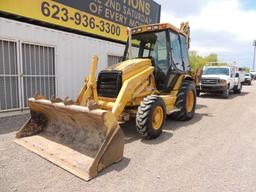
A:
[216,71]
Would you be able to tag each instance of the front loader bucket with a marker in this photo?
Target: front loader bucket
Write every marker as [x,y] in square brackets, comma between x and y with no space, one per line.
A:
[79,140]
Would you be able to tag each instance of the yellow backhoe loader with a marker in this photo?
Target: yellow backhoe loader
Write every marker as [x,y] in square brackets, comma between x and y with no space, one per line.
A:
[152,81]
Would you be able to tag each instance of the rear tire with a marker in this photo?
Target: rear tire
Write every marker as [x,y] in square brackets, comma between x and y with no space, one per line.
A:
[186,113]
[151,117]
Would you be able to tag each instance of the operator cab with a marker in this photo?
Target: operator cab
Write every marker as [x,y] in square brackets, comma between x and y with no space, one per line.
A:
[167,50]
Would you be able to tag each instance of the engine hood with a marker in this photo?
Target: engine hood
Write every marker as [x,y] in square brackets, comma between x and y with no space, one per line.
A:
[131,67]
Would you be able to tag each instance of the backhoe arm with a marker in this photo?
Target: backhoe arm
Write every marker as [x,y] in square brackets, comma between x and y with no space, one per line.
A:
[185,29]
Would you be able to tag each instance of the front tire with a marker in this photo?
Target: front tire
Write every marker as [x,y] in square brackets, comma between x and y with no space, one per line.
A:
[186,101]
[238,90]
[226,93]
[151,117]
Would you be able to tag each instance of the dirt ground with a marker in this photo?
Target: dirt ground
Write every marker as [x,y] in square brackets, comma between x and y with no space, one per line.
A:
[216,151]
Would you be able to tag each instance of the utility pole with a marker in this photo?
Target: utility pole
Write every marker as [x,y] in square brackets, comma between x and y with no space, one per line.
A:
[254,45]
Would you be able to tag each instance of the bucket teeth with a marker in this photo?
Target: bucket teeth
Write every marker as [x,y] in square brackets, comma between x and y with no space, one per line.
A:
[52,98]
[91,104]
[68,101]
[56,100]
[37,96]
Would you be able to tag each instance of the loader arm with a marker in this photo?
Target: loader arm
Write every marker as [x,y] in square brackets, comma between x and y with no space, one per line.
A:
[89,88]
[129,89]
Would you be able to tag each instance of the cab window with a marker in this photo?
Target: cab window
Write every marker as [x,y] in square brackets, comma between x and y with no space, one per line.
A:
[176,50]
[184,50]
[150,45]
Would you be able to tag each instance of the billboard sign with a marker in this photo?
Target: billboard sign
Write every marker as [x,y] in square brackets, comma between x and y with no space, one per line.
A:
[103,18]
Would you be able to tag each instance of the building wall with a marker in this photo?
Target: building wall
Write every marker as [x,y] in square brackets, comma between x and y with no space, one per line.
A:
[73,52]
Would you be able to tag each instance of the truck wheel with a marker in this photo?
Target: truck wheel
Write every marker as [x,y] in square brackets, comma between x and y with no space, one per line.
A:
[151,117]
[186,102]
[226,93]
[239,89]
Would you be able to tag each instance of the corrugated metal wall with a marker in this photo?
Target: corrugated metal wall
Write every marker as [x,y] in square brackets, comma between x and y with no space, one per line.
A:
[113,59]
[72,52]
[9,79]
[38,69]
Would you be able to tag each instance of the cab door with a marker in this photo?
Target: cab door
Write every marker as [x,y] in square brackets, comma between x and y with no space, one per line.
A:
[176,67]
[168,60]
[161,61]
[184,52]
[176,54]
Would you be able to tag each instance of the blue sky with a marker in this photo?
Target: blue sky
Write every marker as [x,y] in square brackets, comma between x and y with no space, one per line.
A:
[249,4]
[224,27]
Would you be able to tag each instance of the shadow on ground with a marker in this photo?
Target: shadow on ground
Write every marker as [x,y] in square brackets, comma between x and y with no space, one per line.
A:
[131,134]
[198,106]
[175,125]
[219,96]
[166,135]
[119,166]
[12,123]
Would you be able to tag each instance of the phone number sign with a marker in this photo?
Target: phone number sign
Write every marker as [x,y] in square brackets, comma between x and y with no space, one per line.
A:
[105,18]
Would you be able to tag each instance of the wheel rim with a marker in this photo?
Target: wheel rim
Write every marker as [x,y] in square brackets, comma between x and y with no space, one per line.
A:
[190,101]
[157,118]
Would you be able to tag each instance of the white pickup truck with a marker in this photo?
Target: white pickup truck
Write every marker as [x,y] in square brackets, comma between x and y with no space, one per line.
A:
[219,79]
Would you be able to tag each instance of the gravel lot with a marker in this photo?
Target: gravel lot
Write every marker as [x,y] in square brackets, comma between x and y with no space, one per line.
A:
[216,151]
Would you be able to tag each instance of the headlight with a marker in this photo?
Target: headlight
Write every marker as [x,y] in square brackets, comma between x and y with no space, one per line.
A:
[222,81]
